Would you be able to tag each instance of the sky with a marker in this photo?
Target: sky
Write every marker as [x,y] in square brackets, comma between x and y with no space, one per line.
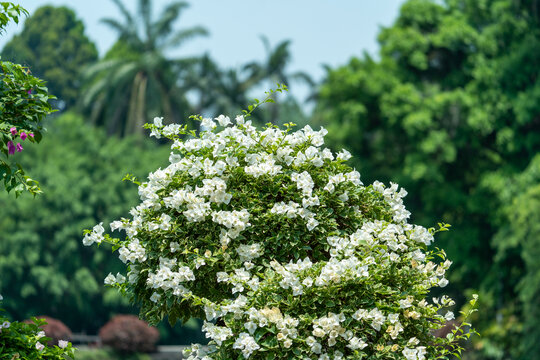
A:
[321,31]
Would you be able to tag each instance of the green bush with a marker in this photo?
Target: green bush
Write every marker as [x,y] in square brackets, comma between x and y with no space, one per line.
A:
[21,340]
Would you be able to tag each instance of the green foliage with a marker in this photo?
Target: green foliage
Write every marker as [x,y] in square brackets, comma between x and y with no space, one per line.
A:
[53,45]
[23,105]
[45,270]
[19,340]
[517,242]
[453,102]
[10,12]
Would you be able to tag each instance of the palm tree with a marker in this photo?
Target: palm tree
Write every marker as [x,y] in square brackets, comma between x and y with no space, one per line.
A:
[136,80]
[273,71]
[218,91]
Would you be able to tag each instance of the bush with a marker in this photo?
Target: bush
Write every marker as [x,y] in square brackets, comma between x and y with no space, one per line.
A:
[54,329]
[27,340]
[276,242]
[128,334]
[24,104]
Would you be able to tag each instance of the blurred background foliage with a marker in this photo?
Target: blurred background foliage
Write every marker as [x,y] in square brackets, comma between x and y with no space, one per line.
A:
[449,109]
[54,46]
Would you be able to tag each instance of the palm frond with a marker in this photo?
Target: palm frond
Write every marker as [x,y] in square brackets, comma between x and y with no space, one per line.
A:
[184,35]
[186,61]
[90,94]
[99,67]
[124,72]
[116,25]
[124,11]
[122,91]
[256,72]
[126,32]
[266,44]
[280,57]
[163,26]
[145,14]
[106,81]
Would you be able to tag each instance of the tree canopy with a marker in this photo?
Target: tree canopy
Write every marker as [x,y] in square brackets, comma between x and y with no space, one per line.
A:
[137,81]
[54,47]
[452,100]
[45,269]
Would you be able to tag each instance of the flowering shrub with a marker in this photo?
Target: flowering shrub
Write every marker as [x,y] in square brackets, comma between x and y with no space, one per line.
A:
[280,247]
[126,333]
[23,105]
[23,340]
[54,329]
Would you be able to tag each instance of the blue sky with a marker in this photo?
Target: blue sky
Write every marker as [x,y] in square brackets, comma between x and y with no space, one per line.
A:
[322,31]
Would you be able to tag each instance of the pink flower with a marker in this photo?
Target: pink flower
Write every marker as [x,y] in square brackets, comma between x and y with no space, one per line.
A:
[23,135]
[13,131]
[19,148]
[11,148]
[30,92]
[31,135]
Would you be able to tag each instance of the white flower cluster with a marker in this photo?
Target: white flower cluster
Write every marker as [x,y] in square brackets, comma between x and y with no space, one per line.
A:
[291,277]
[96,236]
[134,252]
[5,325]
[261,164]
[217,333]
[292,210]
[395,199]
[169,276]
[291,241]
[246,344]
[249,252]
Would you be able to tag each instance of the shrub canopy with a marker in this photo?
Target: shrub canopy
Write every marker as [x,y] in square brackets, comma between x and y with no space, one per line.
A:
[276,242]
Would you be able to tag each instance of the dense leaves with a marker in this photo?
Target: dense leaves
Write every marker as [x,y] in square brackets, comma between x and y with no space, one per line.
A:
[517,242]
[451,102]
[45,270]
[23,105]
[21,340]
[54,47]
[10,12]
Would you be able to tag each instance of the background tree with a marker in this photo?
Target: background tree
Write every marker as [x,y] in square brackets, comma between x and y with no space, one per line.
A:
[273,71]
[137,81]
[452,101]
[517,244]
[217,90]
[45,270]
[54,47]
